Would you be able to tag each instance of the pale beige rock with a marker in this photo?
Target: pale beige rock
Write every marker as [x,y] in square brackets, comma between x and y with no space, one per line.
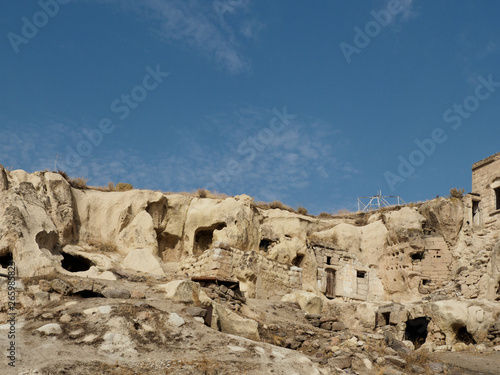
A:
[139,234]
[446,215]
[232,323]
[143,261]
[183,291]
[310,302]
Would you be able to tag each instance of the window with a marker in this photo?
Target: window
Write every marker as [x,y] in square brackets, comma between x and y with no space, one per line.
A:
[328,260]
[497,196]
[361,274]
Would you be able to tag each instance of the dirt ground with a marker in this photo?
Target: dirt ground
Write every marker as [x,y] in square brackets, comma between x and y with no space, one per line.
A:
[471,363]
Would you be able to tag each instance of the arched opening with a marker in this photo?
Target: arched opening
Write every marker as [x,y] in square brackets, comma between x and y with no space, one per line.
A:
[203,238]
[464,336]
[75,263]
[416,330]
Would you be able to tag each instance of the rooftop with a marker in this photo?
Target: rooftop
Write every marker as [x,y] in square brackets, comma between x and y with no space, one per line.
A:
[485,161]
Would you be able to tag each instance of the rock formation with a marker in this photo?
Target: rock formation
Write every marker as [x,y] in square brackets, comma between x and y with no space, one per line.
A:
[421,273]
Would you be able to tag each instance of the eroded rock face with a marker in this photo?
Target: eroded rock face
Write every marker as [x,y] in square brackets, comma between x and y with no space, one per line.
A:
[445,217]
[400,254]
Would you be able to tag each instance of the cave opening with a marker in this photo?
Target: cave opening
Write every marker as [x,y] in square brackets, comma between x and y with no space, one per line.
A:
[297,262]
[417,256]
[75,263]
[203,237]
[6,259]
[168,247]
[265,244]
[88,294]
[464,336]
[416,331]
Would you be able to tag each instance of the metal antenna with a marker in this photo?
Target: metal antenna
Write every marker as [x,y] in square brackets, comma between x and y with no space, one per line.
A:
[377,201]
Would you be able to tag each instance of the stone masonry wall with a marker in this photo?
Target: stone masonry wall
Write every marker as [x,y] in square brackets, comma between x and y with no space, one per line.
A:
[259,277]
[486,178]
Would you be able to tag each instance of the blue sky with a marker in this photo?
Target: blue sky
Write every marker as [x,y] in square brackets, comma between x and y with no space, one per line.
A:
[313,103]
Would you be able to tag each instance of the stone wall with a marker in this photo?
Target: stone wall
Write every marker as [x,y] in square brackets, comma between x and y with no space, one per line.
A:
[485,180]
[435,263]
[258,276]
[350,277]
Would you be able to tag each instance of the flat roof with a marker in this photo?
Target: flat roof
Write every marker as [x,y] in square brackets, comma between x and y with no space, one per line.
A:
[485,161]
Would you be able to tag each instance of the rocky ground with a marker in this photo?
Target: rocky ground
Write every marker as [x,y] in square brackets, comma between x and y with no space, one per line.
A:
[143,324]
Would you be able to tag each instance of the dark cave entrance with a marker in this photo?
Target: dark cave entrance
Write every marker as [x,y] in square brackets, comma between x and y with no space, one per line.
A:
[297,262]
[265,244]
[462,335]
[6,259]
[416,330]
[75,263]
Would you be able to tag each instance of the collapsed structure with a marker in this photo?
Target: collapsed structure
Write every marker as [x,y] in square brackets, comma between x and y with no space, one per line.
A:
[431,268]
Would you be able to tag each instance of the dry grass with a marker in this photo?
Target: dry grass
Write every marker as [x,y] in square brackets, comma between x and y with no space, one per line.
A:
[456,193]
[325,215]
[302,210]
[98,246]
[123,186]
[274,205]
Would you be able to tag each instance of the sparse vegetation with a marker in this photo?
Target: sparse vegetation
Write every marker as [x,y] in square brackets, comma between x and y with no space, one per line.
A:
[302,210]
[456,193]
[79,183]
[362,219]
[325,215]
[202,193]
[123,186]
[98,246]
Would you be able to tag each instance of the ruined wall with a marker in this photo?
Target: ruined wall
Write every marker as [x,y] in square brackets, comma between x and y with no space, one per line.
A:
[486,183]
[258,276]
[340,274]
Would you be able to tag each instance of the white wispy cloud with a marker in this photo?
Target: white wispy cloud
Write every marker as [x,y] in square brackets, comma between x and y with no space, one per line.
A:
[302,153]
[212,27]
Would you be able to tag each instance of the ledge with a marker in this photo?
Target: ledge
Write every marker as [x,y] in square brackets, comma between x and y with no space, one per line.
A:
[496,212]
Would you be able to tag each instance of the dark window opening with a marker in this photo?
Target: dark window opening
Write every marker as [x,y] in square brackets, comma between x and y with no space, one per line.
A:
[417,256]
[265,244]
[75,263]
[386,317]
[497,196]
[88,294]
[6,260]
[361,274]
[416,331]
[426,281]
[464,336]
[328,260]
[203,238]
[297,262]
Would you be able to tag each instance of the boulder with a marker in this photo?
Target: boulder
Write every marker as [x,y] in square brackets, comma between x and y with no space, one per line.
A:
[310,302]
[232,323]
[143,261]
[51,329]
[444,216]
[186,291]
[176,320]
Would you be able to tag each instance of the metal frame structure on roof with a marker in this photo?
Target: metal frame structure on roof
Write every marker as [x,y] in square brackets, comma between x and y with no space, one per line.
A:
[378,201]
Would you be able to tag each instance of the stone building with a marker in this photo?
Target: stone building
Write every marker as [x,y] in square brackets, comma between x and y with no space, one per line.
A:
[483,203]
[340,274]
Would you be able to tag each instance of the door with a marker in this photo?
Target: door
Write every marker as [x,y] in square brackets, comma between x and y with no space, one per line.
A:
[330,283]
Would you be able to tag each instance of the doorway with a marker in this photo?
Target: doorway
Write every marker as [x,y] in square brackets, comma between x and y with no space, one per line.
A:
[330,283]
